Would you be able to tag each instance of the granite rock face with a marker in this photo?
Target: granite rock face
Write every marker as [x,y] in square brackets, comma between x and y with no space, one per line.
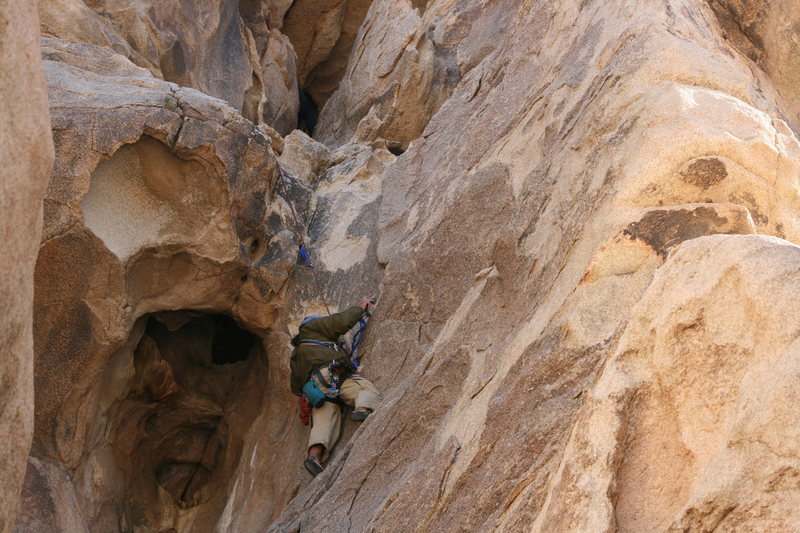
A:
[323,34]
[692,425]
[228,49]
[164,283]
[524,234]
[149,291]
[580,218]
[405,62]
[766,33]
[26,152]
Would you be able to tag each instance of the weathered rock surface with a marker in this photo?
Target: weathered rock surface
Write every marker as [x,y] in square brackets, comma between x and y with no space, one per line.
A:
[766,32]
[693,425]
[26,153]
[160,201]
[581,253]
[223,48]
[165,265]
[322,52]
[343,217]
[520,234]
[406,61]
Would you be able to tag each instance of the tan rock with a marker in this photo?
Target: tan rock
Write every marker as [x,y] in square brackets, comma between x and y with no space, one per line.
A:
[160,200]
[74,22]
[304,157]
[343,248]
[219,47]
[402,67]
[325,19]
[520,233]
[26,155]
[624,266]
[322,80]
[766,32]
[691,425]
[277,11]
[278,70]
[552,280]
[49,500]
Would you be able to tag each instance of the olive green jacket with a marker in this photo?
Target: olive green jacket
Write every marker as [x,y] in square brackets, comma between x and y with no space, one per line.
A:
[326,329]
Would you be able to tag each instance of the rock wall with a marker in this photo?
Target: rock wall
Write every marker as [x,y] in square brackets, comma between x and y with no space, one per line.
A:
[26,151]
[228,49]
[524,234]
[160,201]
[580,218]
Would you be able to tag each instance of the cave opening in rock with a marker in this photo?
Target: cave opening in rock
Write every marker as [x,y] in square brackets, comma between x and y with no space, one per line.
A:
[230,343]
[196,386]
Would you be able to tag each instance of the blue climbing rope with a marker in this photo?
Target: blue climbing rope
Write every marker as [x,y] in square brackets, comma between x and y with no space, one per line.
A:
[300,242]
[357,338]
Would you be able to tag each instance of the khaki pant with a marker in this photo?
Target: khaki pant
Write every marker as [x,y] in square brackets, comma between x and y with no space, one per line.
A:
[326,420]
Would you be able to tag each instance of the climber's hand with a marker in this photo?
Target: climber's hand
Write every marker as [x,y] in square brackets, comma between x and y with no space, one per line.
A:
[365,304]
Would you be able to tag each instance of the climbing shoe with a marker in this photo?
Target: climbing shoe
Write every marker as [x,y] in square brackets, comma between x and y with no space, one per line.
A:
[313,467]
[359,416]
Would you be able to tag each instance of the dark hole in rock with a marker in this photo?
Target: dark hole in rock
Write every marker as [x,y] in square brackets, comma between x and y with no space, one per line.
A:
[254,246]
[396,149]
[176,432]
[420,5]
[307,113]
[230,344]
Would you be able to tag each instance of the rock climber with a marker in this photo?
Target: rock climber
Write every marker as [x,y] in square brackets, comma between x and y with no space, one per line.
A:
[325,380]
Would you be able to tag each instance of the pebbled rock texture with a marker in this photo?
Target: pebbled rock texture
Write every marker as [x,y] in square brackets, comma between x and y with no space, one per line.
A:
[26,153]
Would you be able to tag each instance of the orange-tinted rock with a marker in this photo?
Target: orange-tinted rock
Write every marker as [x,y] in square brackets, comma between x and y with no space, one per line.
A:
[26,155]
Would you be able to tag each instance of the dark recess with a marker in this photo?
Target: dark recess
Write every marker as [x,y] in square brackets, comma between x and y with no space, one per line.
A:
[231,343]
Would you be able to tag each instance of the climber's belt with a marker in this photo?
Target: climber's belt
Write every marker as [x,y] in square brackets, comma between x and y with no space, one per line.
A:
[332,345]
[323,385]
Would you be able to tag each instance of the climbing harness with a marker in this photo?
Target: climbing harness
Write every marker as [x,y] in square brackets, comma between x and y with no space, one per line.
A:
[309,317]
[324,383]
[301,243]
[332,345]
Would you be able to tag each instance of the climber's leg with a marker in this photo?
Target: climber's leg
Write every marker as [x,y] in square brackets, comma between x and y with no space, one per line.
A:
[325,428]
[361,394]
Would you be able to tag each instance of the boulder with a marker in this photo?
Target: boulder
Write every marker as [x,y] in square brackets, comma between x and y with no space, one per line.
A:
[223,48]
[26,153]
[152,297]
[404,64]
[692,425]
[304,157]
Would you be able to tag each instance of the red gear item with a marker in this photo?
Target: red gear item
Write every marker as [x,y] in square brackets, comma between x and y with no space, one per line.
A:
[305,410]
